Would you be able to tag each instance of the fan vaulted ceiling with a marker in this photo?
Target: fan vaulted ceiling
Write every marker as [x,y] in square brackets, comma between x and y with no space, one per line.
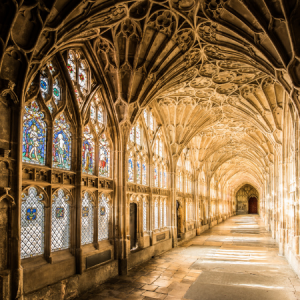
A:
[215,72]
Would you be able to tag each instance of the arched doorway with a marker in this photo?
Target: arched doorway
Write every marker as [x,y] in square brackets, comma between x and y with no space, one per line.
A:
[252,205]
[133,225]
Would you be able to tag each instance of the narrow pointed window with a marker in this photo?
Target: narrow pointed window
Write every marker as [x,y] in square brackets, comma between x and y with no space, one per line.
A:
[138,171]
[103,216]
[87,219]
[32,223]
[34,135]
[104,157]
[61,151]
[44,85]
[155,176]
[138,135]
[88,151]
[130,169]
[144,171]
[132,134]
[60,224]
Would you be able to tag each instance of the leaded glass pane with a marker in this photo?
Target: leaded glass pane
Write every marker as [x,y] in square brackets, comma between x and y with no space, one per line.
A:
[44,85]
[103,216]
[100,115]
[51,67]
[144,173]
[32,223]
[56,91]
[138,135]
[50,107]
[160,178]
[87,220]
[155,176]
[76,91]
[144,216]
[138,171]
[88,151]
[93,113]
[60,227]
[156,215]
[130,169]
[104,157]
[71,65]
[34,135]
[132,134]
[61,151]
[82,77]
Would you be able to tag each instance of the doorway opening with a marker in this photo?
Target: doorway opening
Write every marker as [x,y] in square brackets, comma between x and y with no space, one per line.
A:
[133,226]
[178,218]
[252,205]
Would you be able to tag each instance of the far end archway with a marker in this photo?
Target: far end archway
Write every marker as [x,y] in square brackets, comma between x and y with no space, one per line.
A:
[244,194]
[252,205]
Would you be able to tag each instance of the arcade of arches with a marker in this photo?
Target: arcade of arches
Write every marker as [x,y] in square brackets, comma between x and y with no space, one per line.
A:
[129,127]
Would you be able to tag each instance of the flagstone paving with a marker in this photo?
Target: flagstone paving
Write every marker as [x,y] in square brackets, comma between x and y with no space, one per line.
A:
[237,259]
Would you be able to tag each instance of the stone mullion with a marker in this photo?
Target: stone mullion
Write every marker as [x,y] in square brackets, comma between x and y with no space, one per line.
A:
[15,256]
[47,220]
[96,219]
[79,191]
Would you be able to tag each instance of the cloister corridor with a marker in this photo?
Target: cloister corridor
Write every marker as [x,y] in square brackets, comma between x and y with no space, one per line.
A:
[237,259]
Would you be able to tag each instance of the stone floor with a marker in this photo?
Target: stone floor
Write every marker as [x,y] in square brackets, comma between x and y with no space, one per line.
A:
[237,259]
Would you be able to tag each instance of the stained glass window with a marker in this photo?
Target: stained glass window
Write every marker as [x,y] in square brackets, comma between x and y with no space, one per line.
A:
[100,115]
[87,220]
[138,171]
[130,169]
[51,67]
[104,156]
[71,65]
[103,216]
[32,223]
[93,113]
[151,125]
[61,150]
[82,77]
[44,84]
[138,135]
[50,107]
[34,135]
[165,213]
[144,216]
[165,178]
[156,215]
[132,134]
[88,151]
[56,91]
[60,227]
[155,176]
[79,99]
[144,173]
